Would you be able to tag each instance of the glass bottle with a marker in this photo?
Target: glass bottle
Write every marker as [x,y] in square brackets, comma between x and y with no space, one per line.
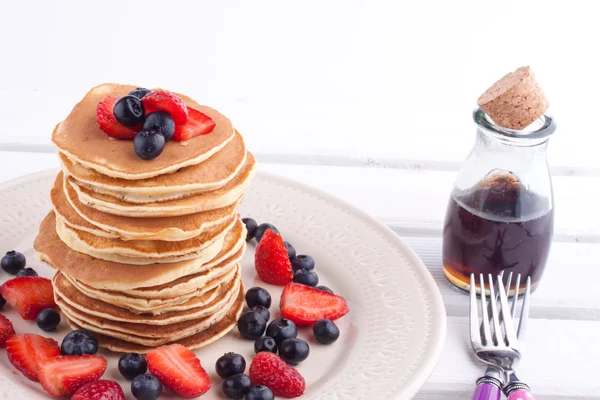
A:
[501,211]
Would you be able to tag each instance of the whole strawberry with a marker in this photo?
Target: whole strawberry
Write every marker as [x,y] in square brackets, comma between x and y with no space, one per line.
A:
[269,370]
[99,390]
[271,260]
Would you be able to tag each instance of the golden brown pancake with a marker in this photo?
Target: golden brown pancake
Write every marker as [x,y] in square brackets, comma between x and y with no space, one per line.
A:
[80,139]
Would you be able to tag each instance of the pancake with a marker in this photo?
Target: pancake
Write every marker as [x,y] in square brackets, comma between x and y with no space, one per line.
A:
[87,219]
[67,296]
[208,175]
[222,197]
[80,139]
[143,252]
[108,275]
[152,335]
[196,341]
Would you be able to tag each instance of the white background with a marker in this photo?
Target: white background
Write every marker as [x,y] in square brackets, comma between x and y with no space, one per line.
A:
[369,100]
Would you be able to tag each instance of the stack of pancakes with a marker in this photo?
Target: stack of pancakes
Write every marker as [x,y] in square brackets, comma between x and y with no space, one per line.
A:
[147,252]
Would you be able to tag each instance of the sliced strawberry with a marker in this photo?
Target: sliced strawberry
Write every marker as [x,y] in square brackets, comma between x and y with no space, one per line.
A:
[198,124]
[29,295]
[161,100]
[109,124]
[6,330]
[100,390]
[63,375]
[179,369]
[272,261]
[26,352]
[306,305]
[271,371]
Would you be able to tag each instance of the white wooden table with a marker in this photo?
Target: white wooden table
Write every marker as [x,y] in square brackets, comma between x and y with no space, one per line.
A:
[367,100]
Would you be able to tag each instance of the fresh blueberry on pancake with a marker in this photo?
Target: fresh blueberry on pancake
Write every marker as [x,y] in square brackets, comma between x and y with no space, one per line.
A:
[160,121]
[148,144]
[129,111]
[139,92]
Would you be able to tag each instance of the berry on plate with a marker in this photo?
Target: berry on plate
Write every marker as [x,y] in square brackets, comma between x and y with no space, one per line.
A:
[271,260]
[2,302]
[109,124]
[261,229]
[230,364]
[161,100]
[269,370]
[326,331]
[236,386]
[325,289]
[306,305]
[64,375]
[303,261]
[179,369]
[132,365]
[306,277]
[48,320]
[27,272]
[13,262]
[26,352]
[6,330]
[29,295]
[250,228]
[99,390]
[160,121]
[129,111]
[146,387]
[293,351]
[260,392]
[197,124]
[139,92]
[251,325]
[262,311]
[281,329]
[265,343]
[148,144]
[258,296]
[78,343]
[290,249]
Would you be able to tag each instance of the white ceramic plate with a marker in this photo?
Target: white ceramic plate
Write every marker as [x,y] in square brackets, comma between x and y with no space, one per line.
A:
[390,341]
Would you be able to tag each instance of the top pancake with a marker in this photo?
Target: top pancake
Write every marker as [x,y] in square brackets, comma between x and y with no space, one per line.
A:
[81,140]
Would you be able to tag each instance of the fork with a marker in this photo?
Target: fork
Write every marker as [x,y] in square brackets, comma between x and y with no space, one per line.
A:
[499,347]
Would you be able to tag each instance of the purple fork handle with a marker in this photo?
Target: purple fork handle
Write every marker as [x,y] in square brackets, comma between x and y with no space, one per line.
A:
[488,388]
[518,391]
[521,395]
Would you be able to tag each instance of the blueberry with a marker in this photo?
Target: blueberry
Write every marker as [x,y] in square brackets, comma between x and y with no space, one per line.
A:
[48,319]
[160,121]
[290,249]
[265,343]
[129,111]
[251,325]
[78,343]
[260,392]
[325,289]
[27,272]
[2,302]
[262,311]
[303,262]
[260,231]
[293,351]
[281,329]
[13,262]
[132,365]
[146,387]
[325,331]
[251,226]
[258,296]
[139,92]
[230,364]
[306,277]
[148,144]
[236,386]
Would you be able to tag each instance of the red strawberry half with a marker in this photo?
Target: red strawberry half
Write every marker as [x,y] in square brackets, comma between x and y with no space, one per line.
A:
[6,330]
[99,390]
[109,124]
[29,295]
[271,371]
[272,261]
[64,375]
[26,352]
[197,124]
[179,369]
[306,305]
[160,100]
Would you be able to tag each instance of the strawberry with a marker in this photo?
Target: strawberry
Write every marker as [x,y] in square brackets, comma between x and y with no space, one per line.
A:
[26,352]
[160,100]
[179,369]
[6,330]
[64,375]
[269,370]
[306,305]
[100,390]
[109,124]
[271,260]
[29,295]
[198,124]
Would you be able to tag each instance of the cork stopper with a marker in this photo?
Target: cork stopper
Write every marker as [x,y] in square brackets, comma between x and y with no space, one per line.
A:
[515,101]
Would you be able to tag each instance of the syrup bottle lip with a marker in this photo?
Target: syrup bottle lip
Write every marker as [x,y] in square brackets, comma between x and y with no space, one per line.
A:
[536,133]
